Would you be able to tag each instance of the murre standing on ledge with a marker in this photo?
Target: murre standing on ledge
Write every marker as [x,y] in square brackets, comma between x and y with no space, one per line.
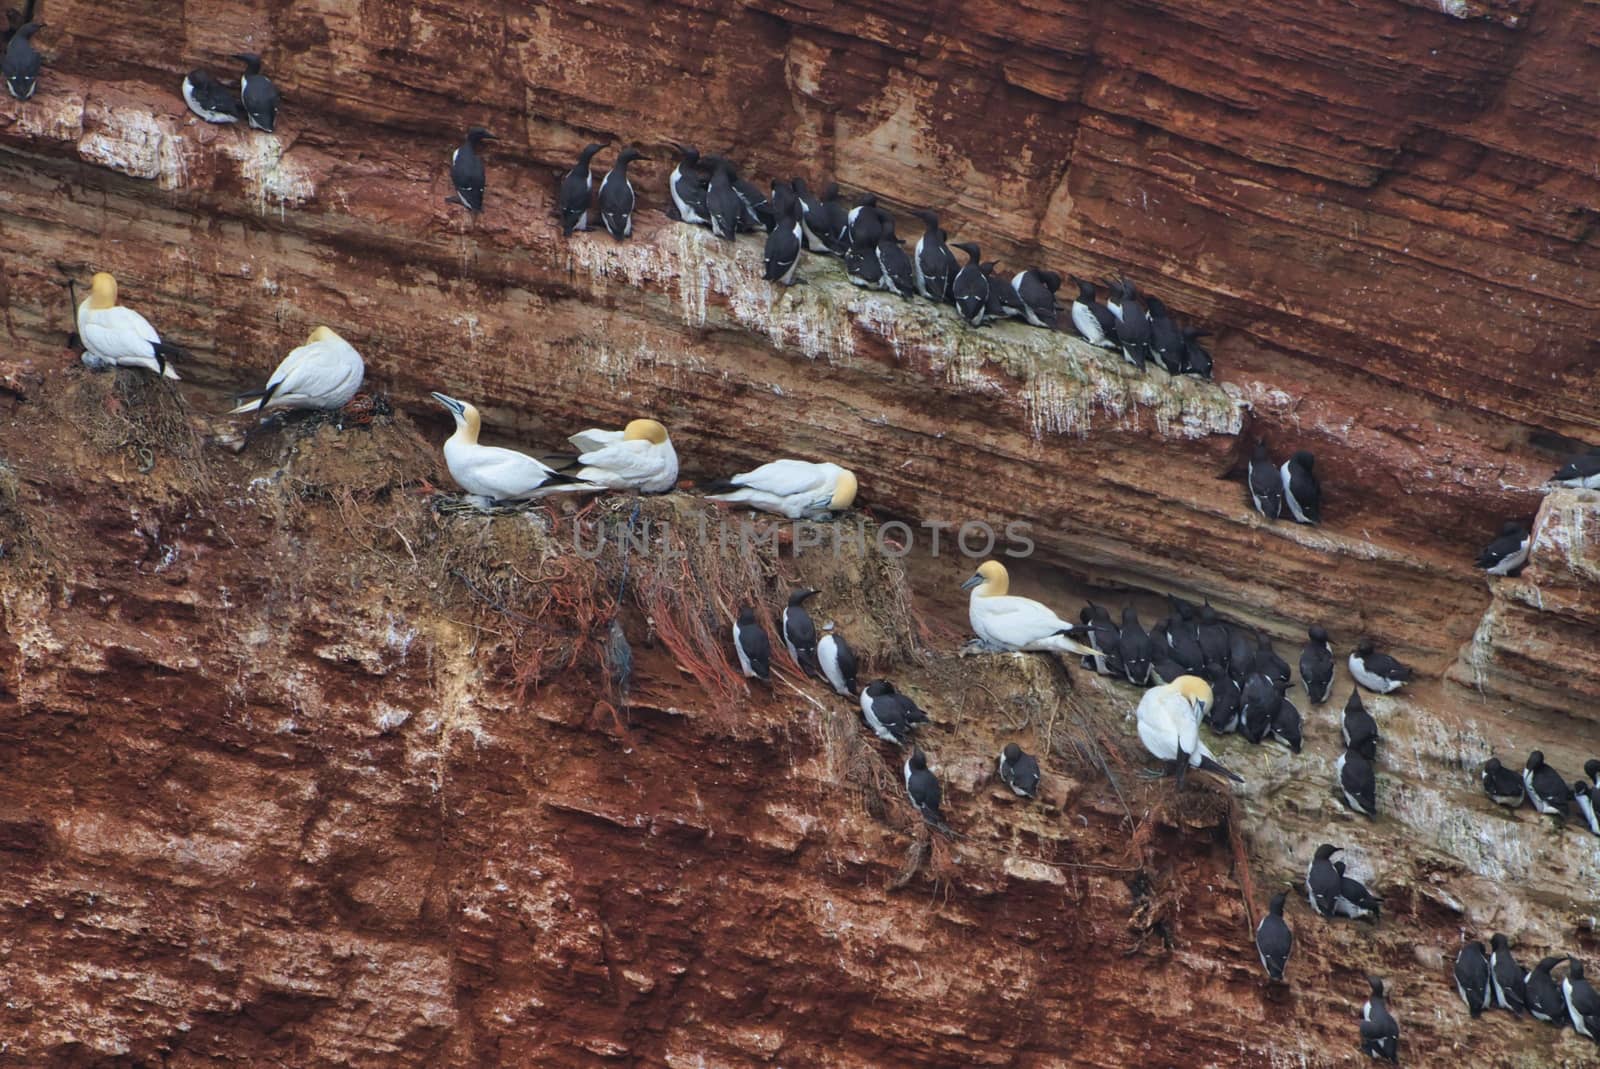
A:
[1380,1032]
[616,196]
[891,715]
[750,642]
[1507,554]
[899,276]
[1358,783]
[1266,487]
[1036,294]
[322,374]
[1354,900]
[1166,340]
[1196,357]
[1274,940]
[1004,621]
[257,93]
[865,221]
[1019,771]
[1094,321]
[1583,1002]
[1378,672]
[1546,1001]
[933,261]
[1580,473]
[493,474]
[1323,881]
[1316,665]
[970,289]
[1504,786]
[1472,977]
[831,224]
[797,489]
[1133,327]
[21,65]
[723,201]
[1547,788]
[781,255]
[113,336]
[688,188]
[1506,977]
[1585,796]
[1169,726]
[1300,490]
[923,788]
[573,197]
[1133,648]
[466,170]
[800,632]
[210,99]
[838,662]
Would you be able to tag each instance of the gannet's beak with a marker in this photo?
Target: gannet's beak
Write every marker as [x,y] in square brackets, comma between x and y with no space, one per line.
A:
[451,403]
[970,583]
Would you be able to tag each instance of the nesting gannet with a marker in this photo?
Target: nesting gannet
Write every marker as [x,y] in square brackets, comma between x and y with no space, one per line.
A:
[114,336]
[638,457]
[797,489]
[1008,622]
[323,373]
[493,473]
[1169,725]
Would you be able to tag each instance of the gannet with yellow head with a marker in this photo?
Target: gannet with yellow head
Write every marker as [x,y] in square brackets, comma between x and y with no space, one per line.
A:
[497,474]
[1169,725]
[1008,622]
[797,489]
[114,336]
[323,373]
[638,457]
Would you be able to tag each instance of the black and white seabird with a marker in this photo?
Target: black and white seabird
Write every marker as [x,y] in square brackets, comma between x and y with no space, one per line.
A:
[1354,900]
[1212,634]
[575,189]
[1323,881]
[832,224]
[1092,320]
[22,64]
[1003,303]
[1035,291]
[800,633]
[1274,940]
[1506,978]
[1223,716]
[1196,357]
[838,663]
[688,185]
[1019,771]
[723,201]
[1583,1001]
[1301,494]
[750,642]
[891,715]
[1547,788]
[1546,999]
[970,290]
[1166,340]
[1472,977]
[899,275]
[1580,473]
[1133,648]
[1316,665]
[1504,786]
[865,221]
[1584,796]
[1133,327]
[1114,298]
[616,198]
[759,212]
[466,169]
[810,209]
[1380,1032]
[1358,729]
[1103,639]
[257,93]
[1591,768]
[210,99]
[861,266]
[1266,487]
[1270,664]
[1378,672]
[933,261]
[1286,725]
[1258,705]
[1184,642]
[923,787]
[1357,783]
[1507,554]
[781,256]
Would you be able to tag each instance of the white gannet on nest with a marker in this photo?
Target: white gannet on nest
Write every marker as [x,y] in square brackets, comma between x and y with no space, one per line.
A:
[1008,622]
[797,489]
[1169,725]
[493,473]
[325,372]
[113,336]
[639,457]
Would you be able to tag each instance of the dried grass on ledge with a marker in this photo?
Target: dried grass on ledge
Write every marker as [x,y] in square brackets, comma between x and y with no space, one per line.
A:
[136,414]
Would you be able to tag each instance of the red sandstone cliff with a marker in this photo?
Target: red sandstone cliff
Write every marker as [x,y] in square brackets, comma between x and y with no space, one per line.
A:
[274,792]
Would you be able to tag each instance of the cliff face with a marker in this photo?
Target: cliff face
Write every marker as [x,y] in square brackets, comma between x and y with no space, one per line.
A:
[289,778]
